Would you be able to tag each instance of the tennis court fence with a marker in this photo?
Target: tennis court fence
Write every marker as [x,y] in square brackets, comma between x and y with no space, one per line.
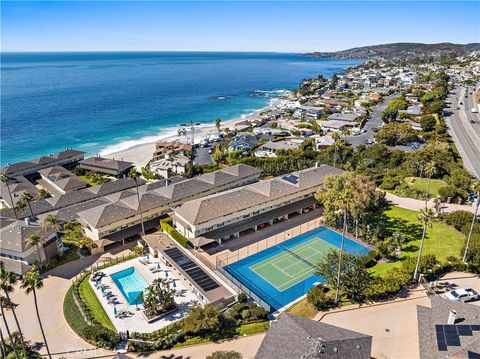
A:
[229,257]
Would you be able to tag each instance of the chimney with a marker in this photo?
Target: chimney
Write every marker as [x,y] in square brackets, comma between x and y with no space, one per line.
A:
[27,221]
[452,317]
[167,182]
[317,164]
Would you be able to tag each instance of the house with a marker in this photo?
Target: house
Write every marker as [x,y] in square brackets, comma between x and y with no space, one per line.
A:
[61,180]
[449,329]
[243,142]
[294,337]
[67,158]
[345,117]
[16,252]
[108,166]
[226,214]
[120,217]
[12,190]
[311,113]
[164,149]
[414,110]
[335,126]
[292,143]
[322,142]
[164,167]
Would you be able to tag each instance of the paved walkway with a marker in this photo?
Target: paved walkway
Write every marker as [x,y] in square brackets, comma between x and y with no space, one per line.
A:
[416,204]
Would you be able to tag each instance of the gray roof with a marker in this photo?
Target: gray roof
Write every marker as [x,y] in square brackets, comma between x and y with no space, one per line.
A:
[107,164]
[14,237]
[346,117]
[431,319]
[217,205]
[62,178]
[34,164]
[295,337]
[165,195]
[17,186]
[281,145]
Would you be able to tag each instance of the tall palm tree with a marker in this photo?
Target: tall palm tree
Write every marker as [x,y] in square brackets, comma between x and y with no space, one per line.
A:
[31,282]
[28,198]
[218,121]
[2,344]
[426,217]
[51,222]
[5,179]
[35,239]
[430,170]
[7,281]
[181,132]
[134,175]
[7,328]
[476,190]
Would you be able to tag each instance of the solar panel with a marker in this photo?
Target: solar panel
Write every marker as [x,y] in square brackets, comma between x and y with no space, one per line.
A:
[291,179]
[449,334]
[197,274]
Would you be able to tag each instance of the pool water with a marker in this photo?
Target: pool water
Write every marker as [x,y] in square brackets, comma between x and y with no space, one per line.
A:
[131,284]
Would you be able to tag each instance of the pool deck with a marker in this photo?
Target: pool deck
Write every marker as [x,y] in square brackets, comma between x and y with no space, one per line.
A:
[135,321]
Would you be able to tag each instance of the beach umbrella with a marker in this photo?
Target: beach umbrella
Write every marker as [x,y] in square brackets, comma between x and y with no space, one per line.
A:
[166,274]
[115,309]
[147,257]
[174,285]
[158,265]
[103,289]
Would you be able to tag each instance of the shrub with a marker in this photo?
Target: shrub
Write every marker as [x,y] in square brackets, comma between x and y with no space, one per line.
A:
[242,298]
[459,219]
[225,354]
[101,336]
[317,296]
[428,123]
[447,191]
[166,225]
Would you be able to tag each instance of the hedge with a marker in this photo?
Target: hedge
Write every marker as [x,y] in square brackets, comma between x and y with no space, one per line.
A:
[166,225]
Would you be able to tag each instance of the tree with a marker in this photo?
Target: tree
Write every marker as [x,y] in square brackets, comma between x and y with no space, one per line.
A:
[396,133]
[225,354]
[428,123]
[318,297]
[158,297]
[35,239]
[476,190]
[426,217]
[134,175]
[7,281]
[430,170]
[181,132]
[218,121]
[202,320]
[7,328]
[51,222]
[42,194]
[28,198]
[5,179]
[31,282]
[354,277]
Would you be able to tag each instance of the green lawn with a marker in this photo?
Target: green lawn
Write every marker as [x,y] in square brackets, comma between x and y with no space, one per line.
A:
[303,309]
[90,299]
[442,241]
[88,180]
[421,184]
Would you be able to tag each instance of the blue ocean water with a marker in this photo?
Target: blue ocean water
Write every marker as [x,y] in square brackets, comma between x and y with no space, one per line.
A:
[103,102]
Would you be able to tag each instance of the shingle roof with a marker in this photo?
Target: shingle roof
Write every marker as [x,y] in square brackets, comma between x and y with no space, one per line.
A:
[106,214]
[14,237]
[430,321]
[294,337]
[217,205]
[107,163]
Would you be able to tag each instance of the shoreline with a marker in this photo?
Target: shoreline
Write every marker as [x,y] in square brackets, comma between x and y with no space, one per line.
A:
[141,154]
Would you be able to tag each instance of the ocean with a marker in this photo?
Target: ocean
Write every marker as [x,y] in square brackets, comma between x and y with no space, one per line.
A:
[107,102]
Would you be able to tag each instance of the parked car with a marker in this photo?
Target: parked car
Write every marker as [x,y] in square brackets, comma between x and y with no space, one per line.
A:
[462,295]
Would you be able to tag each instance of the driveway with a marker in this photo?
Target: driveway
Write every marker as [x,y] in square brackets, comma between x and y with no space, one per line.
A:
[417,205]
[202,156]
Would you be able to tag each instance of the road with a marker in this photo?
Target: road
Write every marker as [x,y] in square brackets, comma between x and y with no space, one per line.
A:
[375,121]
[465,134]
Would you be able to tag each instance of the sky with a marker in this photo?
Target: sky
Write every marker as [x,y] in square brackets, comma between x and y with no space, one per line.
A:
[232,26]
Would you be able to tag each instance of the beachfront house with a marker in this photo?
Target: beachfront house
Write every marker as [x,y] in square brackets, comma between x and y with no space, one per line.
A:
[108,166]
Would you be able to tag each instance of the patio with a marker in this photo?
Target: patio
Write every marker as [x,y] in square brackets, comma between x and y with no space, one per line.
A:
[134,320]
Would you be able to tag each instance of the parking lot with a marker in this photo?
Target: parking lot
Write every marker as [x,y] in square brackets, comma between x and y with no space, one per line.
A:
[201,155]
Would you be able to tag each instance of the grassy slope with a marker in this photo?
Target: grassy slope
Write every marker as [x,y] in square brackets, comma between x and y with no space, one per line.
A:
[88,180]
[422,183]
[441,240]
[90,299]
[303,309]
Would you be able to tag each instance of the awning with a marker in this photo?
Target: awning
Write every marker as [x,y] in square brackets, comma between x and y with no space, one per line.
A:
[199,242]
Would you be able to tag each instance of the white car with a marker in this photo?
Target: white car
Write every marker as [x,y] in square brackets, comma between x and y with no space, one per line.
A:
[462,295]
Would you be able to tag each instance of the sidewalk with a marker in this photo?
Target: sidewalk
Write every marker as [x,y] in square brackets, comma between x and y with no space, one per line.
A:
[416,204]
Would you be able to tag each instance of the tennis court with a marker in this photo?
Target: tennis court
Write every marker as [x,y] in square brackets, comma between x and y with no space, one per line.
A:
[293,265]
[285,272]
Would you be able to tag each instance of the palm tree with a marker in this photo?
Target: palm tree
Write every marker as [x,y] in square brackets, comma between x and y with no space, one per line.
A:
[4,350]
[51,222]
[31,282]
[5,179]
[35,239]
[476,190]
[430,170]
[426,217]
[218,121]
[181,132]
[42,194]
[27,198]
[7,281]
[7,328]
[134,175]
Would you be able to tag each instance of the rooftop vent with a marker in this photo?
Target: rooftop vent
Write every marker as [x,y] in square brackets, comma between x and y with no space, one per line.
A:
[452,317]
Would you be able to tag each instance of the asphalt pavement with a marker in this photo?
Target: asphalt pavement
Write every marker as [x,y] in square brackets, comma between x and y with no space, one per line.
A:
[375,121]
[202,157]
[465,134]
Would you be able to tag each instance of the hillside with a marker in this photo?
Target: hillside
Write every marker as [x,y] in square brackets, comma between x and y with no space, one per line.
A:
[401,50]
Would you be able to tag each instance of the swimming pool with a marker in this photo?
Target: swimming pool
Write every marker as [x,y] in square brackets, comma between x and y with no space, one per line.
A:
[285,272]
[131,284]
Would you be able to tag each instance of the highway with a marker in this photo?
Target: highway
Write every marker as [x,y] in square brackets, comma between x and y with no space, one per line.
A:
[465,134]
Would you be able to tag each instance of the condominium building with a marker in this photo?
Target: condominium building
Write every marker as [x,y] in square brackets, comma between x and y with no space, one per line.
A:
[227,214]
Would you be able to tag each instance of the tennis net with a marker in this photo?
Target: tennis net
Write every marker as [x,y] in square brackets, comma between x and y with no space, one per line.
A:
[299,257]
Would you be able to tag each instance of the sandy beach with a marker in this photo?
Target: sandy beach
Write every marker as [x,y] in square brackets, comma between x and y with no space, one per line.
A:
[141,154]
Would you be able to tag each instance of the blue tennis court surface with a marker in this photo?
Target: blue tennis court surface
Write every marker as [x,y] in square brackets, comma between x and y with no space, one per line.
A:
[283,273]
